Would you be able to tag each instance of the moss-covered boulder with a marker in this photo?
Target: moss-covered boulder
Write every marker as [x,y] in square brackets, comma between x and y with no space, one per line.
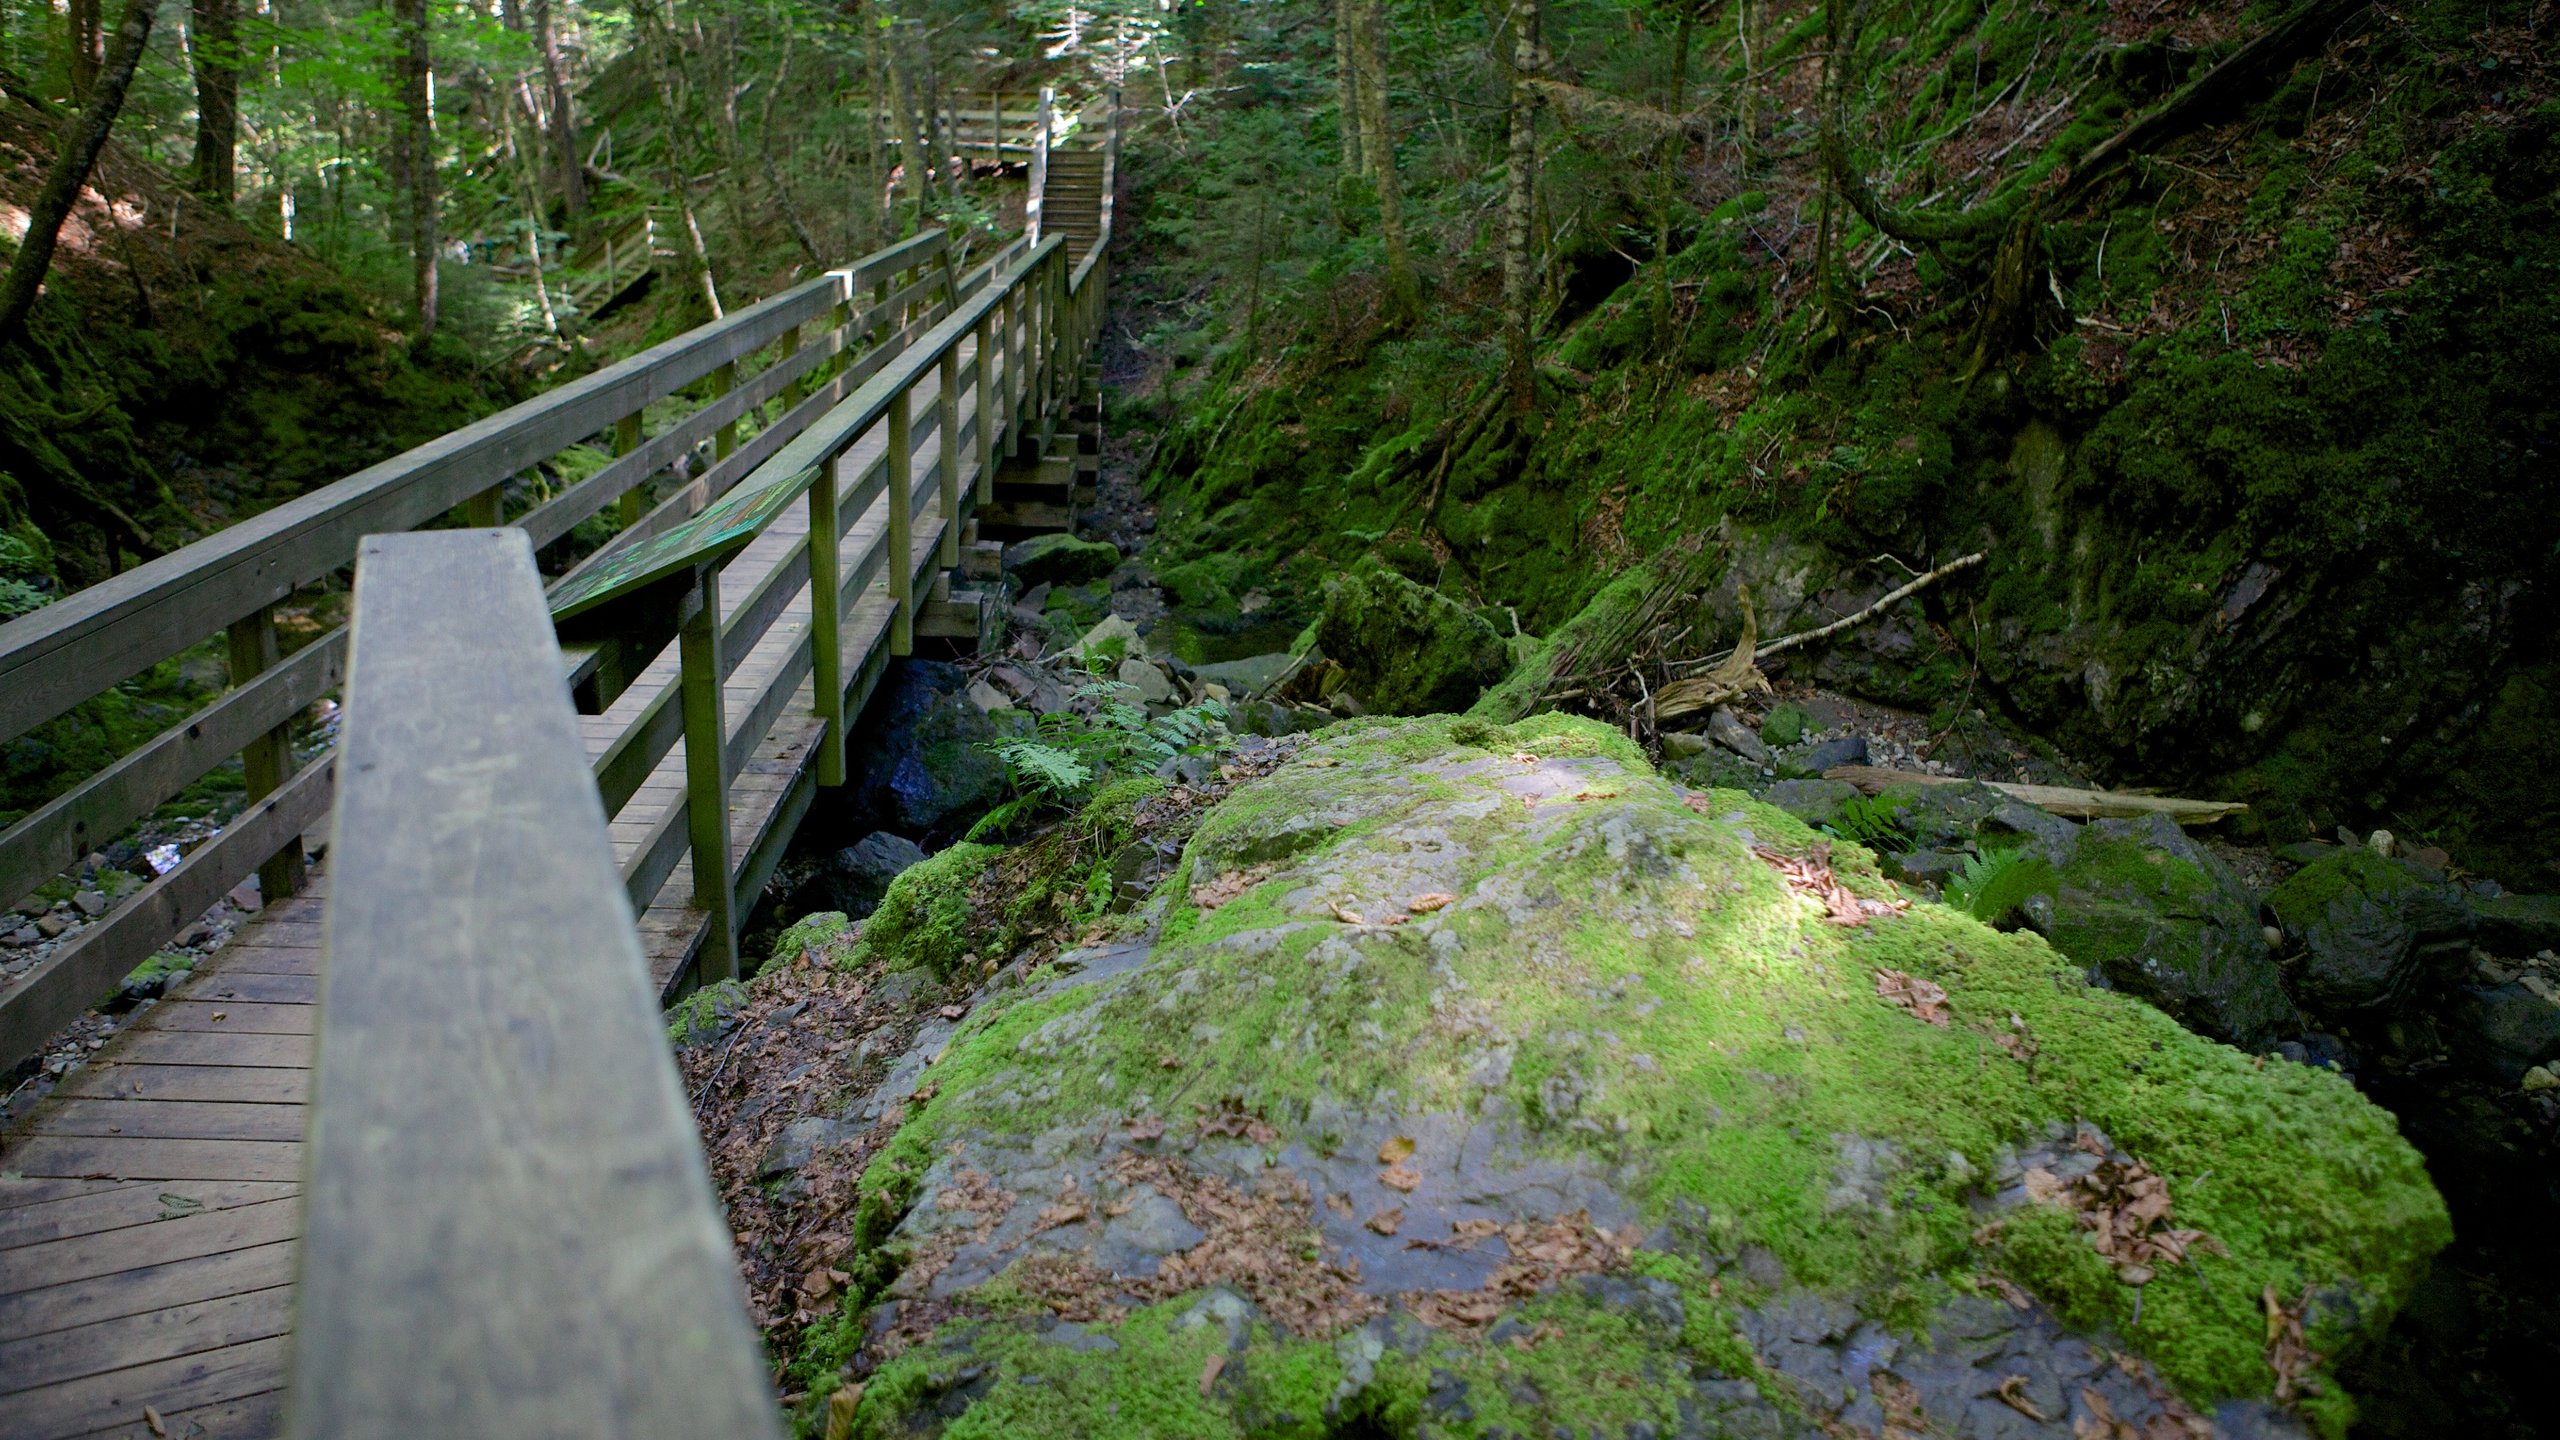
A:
[1474,1080]
[2372,930]
[1407,650]
[2164,918]
[1059,560]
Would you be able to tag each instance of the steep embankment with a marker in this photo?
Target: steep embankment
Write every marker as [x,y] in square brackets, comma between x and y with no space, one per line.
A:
[184,371]
[2263,472]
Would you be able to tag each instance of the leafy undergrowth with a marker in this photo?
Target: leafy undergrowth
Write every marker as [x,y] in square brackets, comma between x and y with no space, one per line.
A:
[1368,925]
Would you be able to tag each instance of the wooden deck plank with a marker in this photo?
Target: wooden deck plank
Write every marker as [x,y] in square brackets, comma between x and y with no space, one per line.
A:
[233,1017]
[253,958]
[143,1046]
[169,1119]
[155,1287]
[230,984]
[131,1340]
[19,1190]
[116,1157]
[138,1203]
[213,1232]
[255,1417]
[243,1084]
[119,1398]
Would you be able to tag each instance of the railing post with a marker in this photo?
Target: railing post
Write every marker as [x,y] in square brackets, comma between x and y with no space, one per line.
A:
[986,487]
[487,509]
[724,380]
[902,525]
[826,621]
[947,411]
[1012,347]
[793,393]
[266,762]
[706,771]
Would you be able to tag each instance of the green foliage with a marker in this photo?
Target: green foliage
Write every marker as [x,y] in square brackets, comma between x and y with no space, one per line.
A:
[1995,883]
[1873,821]
[1076,752]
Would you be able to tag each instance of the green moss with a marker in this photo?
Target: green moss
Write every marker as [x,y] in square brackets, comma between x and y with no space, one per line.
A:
[1407,650]
[924,920]
[1764,1040]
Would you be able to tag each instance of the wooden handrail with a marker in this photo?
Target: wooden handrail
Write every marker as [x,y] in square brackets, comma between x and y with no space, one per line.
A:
[509,1229]
[68,652]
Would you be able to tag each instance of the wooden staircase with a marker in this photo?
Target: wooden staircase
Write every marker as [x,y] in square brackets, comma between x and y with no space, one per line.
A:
[1071,201]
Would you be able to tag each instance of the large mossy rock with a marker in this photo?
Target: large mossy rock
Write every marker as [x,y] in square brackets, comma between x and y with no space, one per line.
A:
[1474,1080]
[923,754]
[1405,649]
[2164,918]
[1059,560]
[2372,929]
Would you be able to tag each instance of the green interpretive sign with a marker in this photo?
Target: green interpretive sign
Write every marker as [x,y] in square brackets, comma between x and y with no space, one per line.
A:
[721,529]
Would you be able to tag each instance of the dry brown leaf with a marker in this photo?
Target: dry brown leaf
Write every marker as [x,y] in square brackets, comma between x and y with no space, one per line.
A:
[840,1408]
[2013,1393]
[1425,904]
[1397,1147]
[2017,1298]
[1147,1127]
[1523,757]
[1065,1212]
[1400,1176]
[1209,1371]
[952,1012]
[1347,917]
[2287,1354]
[1340,1204]
[1386,1222]
[151,1417]
[1924,998]
[1810,874]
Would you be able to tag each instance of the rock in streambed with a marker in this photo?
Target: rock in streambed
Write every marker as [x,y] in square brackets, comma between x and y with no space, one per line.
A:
[1474,1080]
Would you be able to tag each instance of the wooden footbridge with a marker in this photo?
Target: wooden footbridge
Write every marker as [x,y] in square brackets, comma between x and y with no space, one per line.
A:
[408,1156]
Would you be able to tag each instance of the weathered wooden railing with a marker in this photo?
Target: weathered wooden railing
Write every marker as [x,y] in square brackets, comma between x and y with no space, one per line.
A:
[834,356]
[508,1230]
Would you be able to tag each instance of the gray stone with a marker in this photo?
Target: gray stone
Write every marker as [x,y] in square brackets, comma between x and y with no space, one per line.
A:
[1154,687]
[52,925]
[1059,560]
[798,1143]
[856,876]
[1247,677]
[1848,750]
[1925,867]
[2518,924]
[1142,1235]
[1726,729]
[1683,744]
[1815,802]
[922,756]
[90,903]
[2500,1031]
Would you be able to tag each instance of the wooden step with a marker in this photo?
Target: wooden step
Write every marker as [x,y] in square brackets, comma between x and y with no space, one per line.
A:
[1020,520]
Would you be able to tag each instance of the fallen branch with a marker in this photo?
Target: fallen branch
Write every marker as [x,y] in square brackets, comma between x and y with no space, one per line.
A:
[2063,800]
[1807,637]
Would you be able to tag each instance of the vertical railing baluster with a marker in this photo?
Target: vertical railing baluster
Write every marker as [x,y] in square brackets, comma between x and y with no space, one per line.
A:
[986,407]
[626,438]
[706,772]
[826,620]
[902,565]
[724,380]
[947,416]
[266,762]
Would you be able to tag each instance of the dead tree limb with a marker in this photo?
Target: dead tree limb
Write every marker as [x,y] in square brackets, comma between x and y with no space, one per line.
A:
[82,139]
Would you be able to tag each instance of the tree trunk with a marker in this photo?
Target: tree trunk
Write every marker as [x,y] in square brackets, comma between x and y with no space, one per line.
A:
[875,138]
[1346,93]
[772,171]
[416,146]
[83,18]
[564,119]
[659,35]
[911,156]
[82,138]
[1519,213]
[217,66]
[1378,146]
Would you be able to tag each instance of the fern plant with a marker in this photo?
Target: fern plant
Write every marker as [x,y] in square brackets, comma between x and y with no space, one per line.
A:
[1871,821]
[1073,754]
[1995,883]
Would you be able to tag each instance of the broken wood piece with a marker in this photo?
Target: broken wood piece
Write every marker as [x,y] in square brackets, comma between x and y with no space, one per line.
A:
[2064,800]
[1882,603]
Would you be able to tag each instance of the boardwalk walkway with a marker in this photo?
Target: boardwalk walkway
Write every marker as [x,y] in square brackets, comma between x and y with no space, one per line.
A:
[151,1207]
